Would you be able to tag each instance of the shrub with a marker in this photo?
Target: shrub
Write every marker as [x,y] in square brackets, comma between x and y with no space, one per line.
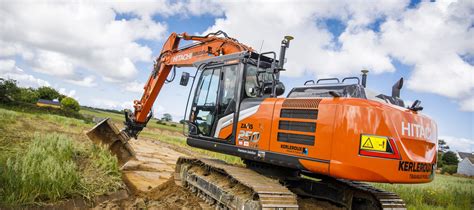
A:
[450,169]
[69,103]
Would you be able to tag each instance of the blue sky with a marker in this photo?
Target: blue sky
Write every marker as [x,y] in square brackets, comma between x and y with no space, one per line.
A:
[102,53]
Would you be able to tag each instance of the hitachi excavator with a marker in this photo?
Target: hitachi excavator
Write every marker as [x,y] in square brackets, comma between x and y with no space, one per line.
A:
[323,141]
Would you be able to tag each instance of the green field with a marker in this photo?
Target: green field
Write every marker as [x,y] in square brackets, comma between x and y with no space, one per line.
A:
[445,192]
[22,130]
[46,158]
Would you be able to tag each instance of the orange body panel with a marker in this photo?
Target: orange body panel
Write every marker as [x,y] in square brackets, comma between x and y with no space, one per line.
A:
[261,123]
[339,125]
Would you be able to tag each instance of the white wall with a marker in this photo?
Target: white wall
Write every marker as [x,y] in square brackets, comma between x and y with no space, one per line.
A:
[466,167]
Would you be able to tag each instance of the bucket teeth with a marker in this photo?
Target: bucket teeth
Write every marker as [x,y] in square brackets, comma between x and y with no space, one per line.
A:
[105,133]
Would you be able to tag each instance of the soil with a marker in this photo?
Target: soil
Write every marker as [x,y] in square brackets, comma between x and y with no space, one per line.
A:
[151,183]
[166,196]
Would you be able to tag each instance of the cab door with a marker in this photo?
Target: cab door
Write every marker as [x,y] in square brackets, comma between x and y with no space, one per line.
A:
[214,102]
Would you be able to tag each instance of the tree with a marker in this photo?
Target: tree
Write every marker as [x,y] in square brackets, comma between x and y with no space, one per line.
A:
[442,146]
[69,103]
[28,95]
[167,117]
[182,121]
[9,90]
[47,93]
[450,158]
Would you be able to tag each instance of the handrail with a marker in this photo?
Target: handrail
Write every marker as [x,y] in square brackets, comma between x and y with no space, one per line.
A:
[347,78]
[328,79]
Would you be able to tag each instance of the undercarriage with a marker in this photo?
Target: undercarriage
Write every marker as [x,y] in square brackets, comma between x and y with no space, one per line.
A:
[225,186]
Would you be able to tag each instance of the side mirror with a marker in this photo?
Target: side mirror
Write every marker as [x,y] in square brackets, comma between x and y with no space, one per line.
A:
[396,88]
[184,79]
[416,106]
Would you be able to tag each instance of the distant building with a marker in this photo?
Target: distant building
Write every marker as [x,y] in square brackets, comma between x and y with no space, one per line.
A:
[48,103]
[466,166]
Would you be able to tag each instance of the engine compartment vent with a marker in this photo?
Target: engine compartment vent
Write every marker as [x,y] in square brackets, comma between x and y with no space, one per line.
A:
[297,126]
[299,113]
[301,103]
[296,138]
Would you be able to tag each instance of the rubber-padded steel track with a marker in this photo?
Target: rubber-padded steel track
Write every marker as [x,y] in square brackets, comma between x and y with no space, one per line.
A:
[232,187]
[385,200]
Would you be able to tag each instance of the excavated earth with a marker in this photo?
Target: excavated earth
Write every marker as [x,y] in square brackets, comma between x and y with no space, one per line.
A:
[151,185]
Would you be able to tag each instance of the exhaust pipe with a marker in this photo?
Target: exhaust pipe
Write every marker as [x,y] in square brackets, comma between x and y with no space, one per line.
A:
[285,43]
[364,77]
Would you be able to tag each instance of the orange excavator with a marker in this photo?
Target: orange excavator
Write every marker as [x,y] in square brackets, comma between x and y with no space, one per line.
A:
[319,142]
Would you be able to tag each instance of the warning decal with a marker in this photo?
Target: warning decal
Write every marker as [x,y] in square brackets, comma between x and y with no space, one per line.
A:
[373,143]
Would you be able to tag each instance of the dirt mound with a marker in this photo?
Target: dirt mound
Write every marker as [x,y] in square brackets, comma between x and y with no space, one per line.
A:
[171,196]
[166,196]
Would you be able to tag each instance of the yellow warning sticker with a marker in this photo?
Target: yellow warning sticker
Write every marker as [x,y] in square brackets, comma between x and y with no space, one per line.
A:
[373,143]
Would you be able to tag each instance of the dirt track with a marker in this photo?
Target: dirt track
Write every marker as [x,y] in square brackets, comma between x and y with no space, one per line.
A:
[150,180]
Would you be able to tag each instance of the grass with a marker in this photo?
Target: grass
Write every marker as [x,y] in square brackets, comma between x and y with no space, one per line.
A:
[445,192]
[46,158]
[45,171]
[180,140]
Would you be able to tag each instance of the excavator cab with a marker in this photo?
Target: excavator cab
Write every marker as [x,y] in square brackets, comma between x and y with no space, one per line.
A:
[223,83]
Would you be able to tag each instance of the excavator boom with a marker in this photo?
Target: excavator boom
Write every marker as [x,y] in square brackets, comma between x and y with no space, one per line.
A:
[202,48]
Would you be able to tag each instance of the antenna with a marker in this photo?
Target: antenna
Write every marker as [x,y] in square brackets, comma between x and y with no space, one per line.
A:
[261,46]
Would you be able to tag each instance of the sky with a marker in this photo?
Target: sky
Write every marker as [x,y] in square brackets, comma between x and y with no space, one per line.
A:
[102,52]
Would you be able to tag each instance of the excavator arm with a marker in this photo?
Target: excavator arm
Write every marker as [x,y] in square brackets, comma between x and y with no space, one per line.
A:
[204,47]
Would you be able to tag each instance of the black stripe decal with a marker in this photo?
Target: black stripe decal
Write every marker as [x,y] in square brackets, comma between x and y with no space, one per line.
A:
[296,138]
[297,126]
[299,113]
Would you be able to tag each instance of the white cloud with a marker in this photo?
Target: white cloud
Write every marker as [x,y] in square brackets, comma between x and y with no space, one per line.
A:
[53,63]
[314,49]
[135,87]
[459,144]
[468,104]
[7,66]
[70,93]
[88,81]
[81,41]
[112,104]
[64,39]
[9,70]
[431,37]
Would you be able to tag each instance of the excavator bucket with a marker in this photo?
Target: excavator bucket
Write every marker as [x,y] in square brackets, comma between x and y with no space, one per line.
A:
[105,133]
